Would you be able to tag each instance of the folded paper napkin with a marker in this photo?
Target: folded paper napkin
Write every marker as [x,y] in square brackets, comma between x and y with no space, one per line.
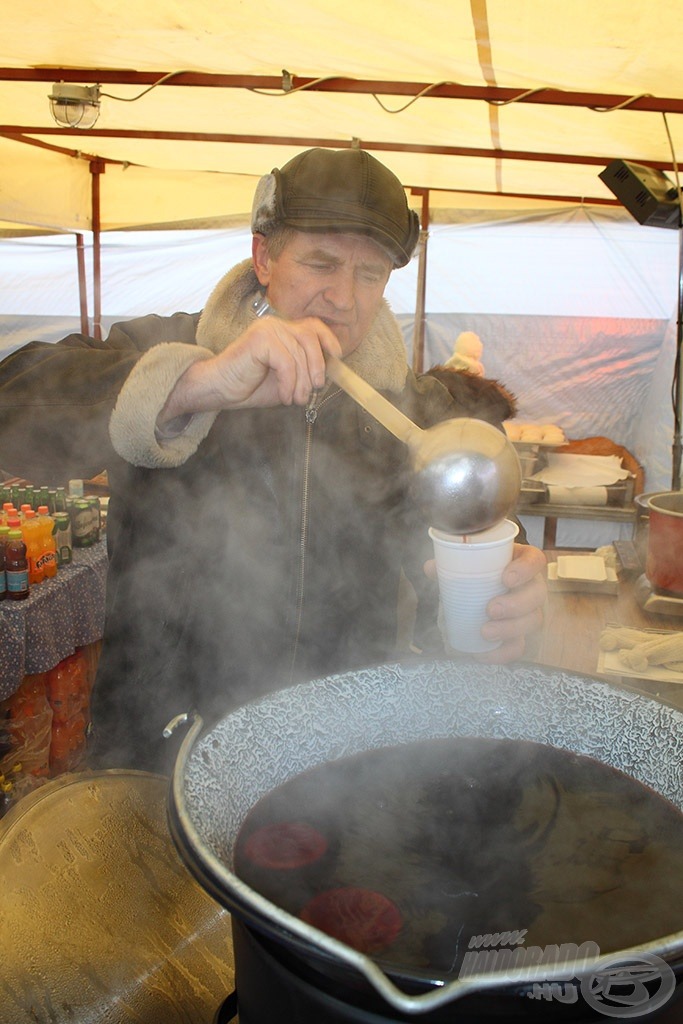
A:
[577,495]
[639,649]
[582,470]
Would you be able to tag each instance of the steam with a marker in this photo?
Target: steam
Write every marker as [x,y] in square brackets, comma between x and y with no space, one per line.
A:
[235,592]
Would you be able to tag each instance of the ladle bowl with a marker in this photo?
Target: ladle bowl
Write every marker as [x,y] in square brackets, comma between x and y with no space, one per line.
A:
[466,473]
[467,476]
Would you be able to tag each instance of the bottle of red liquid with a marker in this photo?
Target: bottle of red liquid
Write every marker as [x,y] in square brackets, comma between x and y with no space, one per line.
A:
[16,565]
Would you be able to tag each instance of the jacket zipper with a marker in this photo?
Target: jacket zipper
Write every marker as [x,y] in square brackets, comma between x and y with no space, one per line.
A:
[311,414]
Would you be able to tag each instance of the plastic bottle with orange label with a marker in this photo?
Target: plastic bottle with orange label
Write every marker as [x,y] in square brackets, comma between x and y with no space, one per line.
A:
[47,542]
[4,530]
[32,533]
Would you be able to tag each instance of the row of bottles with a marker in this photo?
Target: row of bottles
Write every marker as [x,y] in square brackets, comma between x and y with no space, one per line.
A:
[36,541]
[29,541]
[86,512]
[43,727]
[56,498]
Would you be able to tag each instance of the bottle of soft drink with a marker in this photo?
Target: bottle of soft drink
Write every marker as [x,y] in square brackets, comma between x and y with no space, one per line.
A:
[63,539]
[47,542]
[8,511]
[30,730]
[16,564]
[30,531]
[69,695]
[4,530]
[67,688]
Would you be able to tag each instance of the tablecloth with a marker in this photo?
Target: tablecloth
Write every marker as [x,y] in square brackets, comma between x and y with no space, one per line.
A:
[58,616]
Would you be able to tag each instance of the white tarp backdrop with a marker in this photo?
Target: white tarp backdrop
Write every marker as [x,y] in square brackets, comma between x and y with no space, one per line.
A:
[582,330]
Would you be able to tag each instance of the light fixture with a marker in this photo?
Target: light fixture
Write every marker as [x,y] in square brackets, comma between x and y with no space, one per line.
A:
[78,106]
[75,106]
[647,194]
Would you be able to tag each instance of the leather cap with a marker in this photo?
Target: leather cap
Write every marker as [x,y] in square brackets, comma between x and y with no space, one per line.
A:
[344,190]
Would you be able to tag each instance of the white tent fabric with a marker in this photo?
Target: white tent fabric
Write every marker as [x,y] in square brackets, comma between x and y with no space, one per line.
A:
[518,146]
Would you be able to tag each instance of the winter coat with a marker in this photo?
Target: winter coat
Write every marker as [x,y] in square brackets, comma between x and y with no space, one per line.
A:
[254,549]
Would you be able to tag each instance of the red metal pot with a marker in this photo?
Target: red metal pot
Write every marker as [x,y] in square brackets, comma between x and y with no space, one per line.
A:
[664,567]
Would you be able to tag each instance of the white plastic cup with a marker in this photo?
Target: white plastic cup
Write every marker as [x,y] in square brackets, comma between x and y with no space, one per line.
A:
[469,570]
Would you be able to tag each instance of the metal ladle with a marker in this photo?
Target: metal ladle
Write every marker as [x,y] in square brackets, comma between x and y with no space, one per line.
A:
[466,473]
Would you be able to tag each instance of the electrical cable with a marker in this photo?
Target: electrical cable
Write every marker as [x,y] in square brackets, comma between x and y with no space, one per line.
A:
[624,105]
[132,99]
[288,90]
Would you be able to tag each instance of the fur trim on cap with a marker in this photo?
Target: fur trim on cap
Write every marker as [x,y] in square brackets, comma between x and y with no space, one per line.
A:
[264,216]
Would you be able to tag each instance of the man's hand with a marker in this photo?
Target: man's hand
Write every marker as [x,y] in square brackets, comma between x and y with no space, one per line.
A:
[513,616]
[275,362]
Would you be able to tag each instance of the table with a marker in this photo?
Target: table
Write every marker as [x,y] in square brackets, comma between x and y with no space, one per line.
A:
[574,621]
[58,616]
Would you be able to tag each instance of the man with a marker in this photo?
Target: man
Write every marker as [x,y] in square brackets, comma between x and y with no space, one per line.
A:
[259,519]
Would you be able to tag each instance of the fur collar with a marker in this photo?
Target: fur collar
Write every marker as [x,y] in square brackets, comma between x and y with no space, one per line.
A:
[380,358]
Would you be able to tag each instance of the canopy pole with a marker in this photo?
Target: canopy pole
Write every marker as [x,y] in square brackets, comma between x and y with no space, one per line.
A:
[678,375]
[97,167]
[419,332]
[82,286]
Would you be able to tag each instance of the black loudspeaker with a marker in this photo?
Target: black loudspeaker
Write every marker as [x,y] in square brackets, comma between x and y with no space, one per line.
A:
[646,193]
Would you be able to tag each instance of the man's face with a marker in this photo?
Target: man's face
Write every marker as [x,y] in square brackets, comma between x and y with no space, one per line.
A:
[338,278]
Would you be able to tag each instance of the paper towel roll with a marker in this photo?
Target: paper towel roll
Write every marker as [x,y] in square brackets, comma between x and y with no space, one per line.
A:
[577,495]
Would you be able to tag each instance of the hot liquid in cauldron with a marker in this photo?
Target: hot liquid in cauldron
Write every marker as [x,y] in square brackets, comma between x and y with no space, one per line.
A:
[414,853]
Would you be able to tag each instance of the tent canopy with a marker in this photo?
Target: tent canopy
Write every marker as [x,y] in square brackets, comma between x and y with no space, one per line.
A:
[481,104]
[497,116]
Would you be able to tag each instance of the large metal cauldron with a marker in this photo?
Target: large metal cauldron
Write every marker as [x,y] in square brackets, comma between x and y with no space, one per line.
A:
[220,774]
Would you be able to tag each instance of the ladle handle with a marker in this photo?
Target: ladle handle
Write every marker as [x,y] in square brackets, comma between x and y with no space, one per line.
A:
[377,405]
